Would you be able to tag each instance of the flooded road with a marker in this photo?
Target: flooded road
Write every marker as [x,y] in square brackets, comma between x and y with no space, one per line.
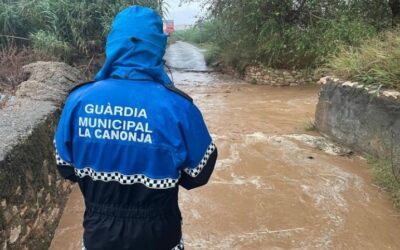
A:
[185,56]
[271,189]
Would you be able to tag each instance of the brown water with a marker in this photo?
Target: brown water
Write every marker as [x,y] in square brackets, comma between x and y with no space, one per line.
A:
[269,190]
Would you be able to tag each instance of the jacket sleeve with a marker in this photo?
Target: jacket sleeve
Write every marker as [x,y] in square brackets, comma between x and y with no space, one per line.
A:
[201,152]
[63,143]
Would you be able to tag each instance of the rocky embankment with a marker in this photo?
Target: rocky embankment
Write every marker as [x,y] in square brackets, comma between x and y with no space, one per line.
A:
[32,195]
[278,77]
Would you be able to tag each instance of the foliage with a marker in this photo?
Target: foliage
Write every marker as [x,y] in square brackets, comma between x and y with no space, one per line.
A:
[290,33]
[60,27]
[296,47]
[46,43]
[383,176]
[375,62]
[310,126]
[204,36]
[211,53]
[202,32]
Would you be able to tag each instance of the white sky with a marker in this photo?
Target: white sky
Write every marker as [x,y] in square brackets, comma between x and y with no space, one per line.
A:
[183,13]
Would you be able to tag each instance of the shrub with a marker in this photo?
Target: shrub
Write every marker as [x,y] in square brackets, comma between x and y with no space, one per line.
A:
[384,177]
[290,47]
[289,34]
[46,43]
[296,47]
[376,62]
[211,54]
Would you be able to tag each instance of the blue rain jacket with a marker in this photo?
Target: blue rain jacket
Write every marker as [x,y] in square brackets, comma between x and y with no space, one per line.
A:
[130,138]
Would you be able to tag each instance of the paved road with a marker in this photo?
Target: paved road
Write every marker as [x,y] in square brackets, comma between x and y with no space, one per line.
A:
[273,188]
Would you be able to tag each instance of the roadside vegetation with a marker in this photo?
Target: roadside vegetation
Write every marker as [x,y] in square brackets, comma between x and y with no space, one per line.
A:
[71,31]
[304,34]
[385,179]
[376,62]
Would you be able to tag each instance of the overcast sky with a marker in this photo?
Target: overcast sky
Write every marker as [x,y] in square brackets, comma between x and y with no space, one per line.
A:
[184,13]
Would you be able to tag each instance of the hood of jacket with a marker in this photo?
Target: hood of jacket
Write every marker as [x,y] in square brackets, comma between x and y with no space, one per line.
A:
[135,47]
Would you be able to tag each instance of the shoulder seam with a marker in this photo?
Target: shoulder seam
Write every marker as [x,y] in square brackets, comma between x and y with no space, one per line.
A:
[174,89]
[80,85]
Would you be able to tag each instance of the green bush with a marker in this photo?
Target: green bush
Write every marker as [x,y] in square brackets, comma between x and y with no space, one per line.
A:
[296,47]
[211,54]
[203,32]
[289,34]
[383,176]
[291,47]
[46,43]
[376,62]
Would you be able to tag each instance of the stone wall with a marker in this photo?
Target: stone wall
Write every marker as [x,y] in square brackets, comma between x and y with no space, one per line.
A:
[278,77]
[32,195]
[359,117]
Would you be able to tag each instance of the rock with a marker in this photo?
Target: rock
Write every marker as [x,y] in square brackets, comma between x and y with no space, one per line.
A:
[324,80]
[7,216]
[48,198]
[4,203]
[66,186]
[391,93]
[14,234]
[39,224]
[49,180]
[48,81]
[350,84]
[28,230]
[276,77]
[40,193]
[23,211]
[18,191]
[14,210]
[54,214]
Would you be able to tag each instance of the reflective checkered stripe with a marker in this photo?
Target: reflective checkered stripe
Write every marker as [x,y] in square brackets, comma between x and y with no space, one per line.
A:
[127,179]
[59,160]
[118,177]
[180,246]
[194,172]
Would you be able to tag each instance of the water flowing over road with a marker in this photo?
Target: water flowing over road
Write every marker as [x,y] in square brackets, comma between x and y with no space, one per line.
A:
[185,56]
[273,188]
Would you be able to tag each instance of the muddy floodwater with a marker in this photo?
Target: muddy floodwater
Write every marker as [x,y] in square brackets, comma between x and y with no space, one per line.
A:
[271,189]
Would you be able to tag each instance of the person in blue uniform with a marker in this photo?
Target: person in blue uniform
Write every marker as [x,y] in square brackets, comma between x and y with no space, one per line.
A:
[130,139]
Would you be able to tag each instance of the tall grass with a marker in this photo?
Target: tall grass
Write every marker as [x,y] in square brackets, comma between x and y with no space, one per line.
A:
[376,62]
[383,176]
[65,29]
